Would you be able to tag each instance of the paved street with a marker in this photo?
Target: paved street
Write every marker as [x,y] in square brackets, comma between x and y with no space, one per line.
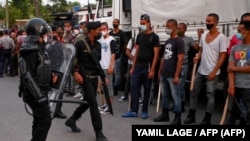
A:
[16,123]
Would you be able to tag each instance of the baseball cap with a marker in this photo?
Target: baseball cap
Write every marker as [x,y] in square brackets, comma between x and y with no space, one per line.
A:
[76,27]
[93,25]
[145,17]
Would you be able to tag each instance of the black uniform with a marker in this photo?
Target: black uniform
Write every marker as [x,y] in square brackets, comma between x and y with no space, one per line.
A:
[35,77]
[87,58]
[41,112]
[89,72]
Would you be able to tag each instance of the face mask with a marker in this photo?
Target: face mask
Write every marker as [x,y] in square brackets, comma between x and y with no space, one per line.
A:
[180,33]
[104,33]
[209,26]
[168,31]
[45,39]
[98,36]
[143,27]
[115,25]
[239,36]
[76,31]
[81,31]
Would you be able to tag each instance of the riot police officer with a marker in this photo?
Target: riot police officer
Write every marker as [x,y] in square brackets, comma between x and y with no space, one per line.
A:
[86,74]
[36,76]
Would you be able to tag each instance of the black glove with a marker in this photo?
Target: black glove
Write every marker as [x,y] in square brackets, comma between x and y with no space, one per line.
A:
[42,100]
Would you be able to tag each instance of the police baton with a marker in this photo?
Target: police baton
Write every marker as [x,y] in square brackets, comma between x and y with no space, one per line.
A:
[69,101]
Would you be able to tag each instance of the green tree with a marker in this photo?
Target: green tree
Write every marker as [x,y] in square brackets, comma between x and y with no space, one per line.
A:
[107,2]
[26,9]
[25,6]
[14,13]
[2,12]
[59,6]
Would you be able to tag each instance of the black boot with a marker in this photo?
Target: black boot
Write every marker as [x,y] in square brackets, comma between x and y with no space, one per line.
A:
[177,119]
[71,122]
[100,136]
[60,114]
[163,117]
[207,119]
[190,117]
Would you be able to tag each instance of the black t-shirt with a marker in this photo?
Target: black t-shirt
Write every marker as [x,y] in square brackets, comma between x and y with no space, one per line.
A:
[146,43]
[113,46]
[121,40]
[173,47]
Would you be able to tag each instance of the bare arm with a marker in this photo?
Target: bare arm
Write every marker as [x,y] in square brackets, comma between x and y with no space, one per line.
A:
[111,65]
[160,68]
[196,44]
[136,54]
[179,65]
[244,69]
[155,59]
[221,60]
[231,76]
[198,55]
[128,53]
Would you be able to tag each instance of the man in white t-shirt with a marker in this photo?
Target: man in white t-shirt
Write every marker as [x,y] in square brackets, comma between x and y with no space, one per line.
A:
[213,49]
[107,61]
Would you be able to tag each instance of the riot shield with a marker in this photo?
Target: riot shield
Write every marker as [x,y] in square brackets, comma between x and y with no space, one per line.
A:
[62,56]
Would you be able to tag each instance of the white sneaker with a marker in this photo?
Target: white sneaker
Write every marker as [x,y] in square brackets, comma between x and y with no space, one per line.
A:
[141,101]
[101,108]
[105,110]
[78,95]
[123,98]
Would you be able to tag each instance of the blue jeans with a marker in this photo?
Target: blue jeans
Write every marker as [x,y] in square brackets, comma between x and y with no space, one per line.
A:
[243,97]
[5,56]
[210,88]
[139,78]
[184,72]
[128,82]
[168,89]
[117,71]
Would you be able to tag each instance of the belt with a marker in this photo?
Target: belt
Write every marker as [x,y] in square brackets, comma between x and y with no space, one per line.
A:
[91,76]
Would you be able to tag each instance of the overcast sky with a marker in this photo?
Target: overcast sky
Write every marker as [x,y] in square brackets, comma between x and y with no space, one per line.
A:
[83,2]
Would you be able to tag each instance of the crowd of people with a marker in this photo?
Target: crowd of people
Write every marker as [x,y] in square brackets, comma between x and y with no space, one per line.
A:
[10,42]
[127,65]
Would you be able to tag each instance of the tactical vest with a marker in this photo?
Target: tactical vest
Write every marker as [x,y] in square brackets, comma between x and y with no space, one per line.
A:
[43,69]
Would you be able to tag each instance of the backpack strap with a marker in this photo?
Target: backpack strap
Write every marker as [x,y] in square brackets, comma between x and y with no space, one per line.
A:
[87,45]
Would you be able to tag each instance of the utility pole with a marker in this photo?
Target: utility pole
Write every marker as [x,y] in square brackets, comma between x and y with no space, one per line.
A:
[36,4]
[7,14]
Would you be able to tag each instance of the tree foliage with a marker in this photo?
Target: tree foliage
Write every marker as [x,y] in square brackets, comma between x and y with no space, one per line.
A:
[26,9]
[107,2]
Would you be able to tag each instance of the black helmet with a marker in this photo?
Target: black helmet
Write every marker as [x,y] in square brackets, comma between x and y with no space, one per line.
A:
[37,27]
